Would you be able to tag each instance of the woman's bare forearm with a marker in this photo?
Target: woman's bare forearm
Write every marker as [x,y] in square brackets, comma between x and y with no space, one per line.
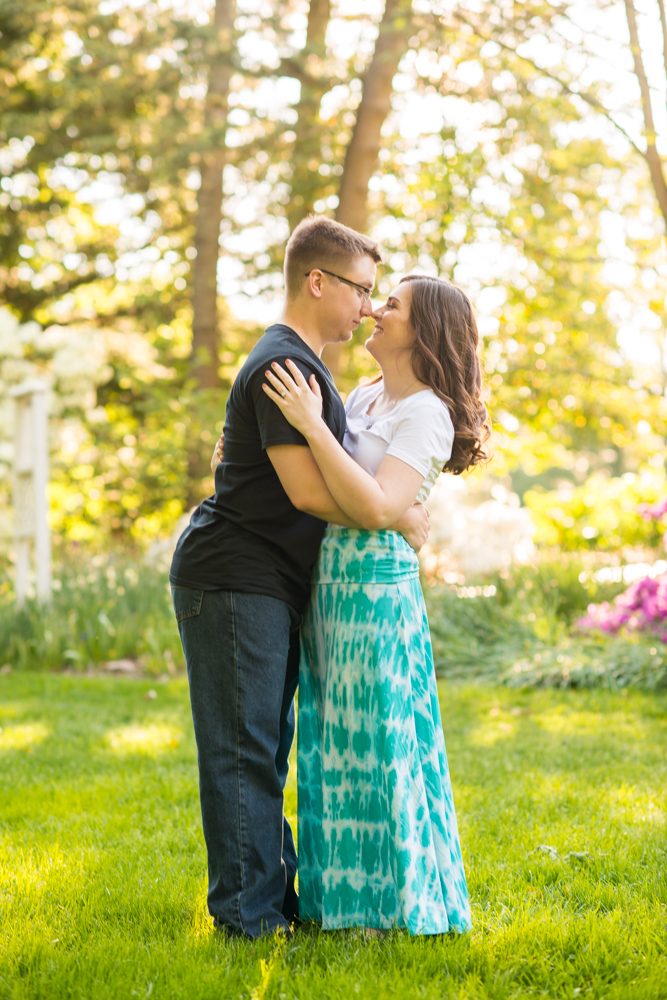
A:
[326,509]
[371,501]
[314,498]
[356,492]
[413,528]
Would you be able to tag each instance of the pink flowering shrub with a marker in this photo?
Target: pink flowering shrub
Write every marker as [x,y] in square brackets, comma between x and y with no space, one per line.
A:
[643,606]
[653,511]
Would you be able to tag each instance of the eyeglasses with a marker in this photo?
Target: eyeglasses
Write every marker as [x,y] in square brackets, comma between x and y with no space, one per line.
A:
[365,292]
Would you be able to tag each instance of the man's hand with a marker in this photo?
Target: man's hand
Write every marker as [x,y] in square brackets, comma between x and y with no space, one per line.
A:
[414,525]
[218,453]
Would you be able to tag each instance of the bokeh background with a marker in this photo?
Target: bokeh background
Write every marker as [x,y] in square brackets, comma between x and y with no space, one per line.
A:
[154,157]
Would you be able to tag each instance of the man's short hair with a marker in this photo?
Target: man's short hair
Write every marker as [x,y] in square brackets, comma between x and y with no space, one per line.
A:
[321,242]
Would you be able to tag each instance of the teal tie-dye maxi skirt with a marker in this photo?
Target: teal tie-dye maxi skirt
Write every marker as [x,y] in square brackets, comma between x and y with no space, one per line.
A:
[378,838]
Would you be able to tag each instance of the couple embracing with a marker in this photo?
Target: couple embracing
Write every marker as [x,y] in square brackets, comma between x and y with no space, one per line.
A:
[302,570]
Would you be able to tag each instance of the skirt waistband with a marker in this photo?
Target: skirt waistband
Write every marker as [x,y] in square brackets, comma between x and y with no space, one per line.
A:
[352,555]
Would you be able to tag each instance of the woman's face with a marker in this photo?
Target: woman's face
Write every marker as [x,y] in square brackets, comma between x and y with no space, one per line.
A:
[393,334]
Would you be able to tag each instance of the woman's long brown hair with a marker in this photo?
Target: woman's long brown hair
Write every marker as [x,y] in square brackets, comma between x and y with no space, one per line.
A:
[444,357]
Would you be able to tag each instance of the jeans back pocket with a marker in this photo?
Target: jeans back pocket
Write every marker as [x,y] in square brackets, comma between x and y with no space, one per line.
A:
[187,603]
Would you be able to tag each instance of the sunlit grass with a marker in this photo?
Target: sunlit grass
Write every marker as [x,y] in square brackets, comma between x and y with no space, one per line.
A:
[23,737]
[150,739]
[561,798]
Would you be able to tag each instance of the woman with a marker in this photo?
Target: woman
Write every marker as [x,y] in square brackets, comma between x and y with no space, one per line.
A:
[378,839]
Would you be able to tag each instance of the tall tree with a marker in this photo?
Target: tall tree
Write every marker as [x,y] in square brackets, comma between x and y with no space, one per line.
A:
[310,68]
[650,153]
[205,319]
[362,152]
[127,99]
[361,157]
[88,104]
[513,26]
[515,191]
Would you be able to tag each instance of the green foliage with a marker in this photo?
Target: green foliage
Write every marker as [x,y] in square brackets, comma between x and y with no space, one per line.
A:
[535,602]
[559,386]
[97,104]
[517,629]
[102,610]
[104,105]
[103,868]
[520,629]
[94,107]
[607,661]
[602,514]
[557,586]
[132,464]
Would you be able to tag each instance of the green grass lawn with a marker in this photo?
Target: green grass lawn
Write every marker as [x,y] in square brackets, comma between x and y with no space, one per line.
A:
[102,865]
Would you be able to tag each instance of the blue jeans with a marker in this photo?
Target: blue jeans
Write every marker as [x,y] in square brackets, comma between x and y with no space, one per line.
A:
[242,655]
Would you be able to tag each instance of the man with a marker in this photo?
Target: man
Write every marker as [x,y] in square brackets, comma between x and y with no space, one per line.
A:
[240,580]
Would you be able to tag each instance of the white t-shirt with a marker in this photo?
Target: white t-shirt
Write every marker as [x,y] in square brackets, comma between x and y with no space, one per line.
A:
[418,430]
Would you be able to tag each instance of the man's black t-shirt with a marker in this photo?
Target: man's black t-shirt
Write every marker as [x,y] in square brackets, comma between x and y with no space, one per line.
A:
[248,536]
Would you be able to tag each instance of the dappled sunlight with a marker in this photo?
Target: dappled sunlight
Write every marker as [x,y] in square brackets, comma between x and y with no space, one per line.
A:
[563,721]
[620,804]
[201,927]
[149,739]
[23,737]
[553,786]
[632,806]
[30,873]
[492,731]
[10,710]
[103,866]
[560,720]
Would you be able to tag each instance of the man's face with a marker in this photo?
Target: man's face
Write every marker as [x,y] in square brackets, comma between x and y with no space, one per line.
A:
[346,305]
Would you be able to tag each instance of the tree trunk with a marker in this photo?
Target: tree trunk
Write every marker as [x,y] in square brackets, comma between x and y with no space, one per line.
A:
[652,156]
[362,153]
[209,202]
[663,24]
[307,145]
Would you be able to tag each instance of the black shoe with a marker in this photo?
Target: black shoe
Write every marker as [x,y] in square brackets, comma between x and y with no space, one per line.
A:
[290,908]
[230,933]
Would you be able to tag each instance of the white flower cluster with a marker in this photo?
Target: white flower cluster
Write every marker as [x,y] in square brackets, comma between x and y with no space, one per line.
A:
[469,538]
[160,553]
[72,360]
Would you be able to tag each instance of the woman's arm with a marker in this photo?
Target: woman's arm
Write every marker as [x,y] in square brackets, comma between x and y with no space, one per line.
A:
[218,453]
[372,502]
[302,481]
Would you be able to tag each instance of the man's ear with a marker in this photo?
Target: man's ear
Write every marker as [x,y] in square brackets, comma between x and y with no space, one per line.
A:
[315,281]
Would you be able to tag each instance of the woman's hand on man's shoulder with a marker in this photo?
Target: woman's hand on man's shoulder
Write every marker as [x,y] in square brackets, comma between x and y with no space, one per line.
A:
[218,453]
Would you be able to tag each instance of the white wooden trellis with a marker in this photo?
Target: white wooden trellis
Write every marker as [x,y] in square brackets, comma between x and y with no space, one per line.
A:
[31,479]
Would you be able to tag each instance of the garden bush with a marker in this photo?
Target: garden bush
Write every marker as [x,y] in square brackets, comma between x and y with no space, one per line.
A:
[604,514]
[103,609]
[642,608]
[518,626]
